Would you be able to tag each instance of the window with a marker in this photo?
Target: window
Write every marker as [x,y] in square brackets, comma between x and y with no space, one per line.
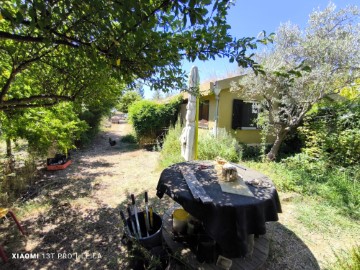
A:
[204,110]
[244,114]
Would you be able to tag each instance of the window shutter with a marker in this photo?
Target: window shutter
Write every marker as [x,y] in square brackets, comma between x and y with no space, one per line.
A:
[236,116]
[243,115]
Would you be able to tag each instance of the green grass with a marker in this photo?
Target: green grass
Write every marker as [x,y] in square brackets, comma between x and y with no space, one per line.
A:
[319,216]
[347,259]
[32,208]
[338,187]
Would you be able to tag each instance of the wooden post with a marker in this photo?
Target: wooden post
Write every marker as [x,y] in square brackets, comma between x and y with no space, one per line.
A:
[196,128]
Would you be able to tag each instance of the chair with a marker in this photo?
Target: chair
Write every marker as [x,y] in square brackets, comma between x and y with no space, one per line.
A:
[3,213]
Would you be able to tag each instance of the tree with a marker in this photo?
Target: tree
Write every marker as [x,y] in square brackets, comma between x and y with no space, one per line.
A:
[139,88]
[303,67]
[157,95]
[126,100]
[67,48]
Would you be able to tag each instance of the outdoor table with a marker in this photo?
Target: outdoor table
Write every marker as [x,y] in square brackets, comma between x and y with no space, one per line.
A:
[230,218]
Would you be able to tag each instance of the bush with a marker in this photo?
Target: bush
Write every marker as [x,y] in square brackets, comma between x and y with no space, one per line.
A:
[224,146]
[129,138]
[332,131]
[250,152]
[93,120]
[171,148]
[149,118]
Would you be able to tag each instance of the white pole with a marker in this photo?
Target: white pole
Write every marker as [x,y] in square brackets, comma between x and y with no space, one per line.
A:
[216,114]
[217,98]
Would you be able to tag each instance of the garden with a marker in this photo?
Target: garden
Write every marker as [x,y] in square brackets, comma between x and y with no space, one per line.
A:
[68,67]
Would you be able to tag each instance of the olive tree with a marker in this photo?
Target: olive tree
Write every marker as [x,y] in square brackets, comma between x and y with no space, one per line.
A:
[304,66]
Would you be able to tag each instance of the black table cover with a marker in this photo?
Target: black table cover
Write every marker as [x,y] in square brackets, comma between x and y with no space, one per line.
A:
[230,218]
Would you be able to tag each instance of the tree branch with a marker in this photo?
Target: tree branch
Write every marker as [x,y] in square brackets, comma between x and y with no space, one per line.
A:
[15,37]
[29,102]
[17,70]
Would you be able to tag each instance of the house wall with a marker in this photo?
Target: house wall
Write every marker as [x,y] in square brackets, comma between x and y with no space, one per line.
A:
[225,117]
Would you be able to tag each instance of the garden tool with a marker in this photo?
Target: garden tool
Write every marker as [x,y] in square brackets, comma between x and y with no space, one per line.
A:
[136,215]
[151,217]
[125,223]
[132,222]
[147,213]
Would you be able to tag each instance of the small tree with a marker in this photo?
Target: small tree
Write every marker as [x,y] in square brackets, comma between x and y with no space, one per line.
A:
[126,100]
[303,67]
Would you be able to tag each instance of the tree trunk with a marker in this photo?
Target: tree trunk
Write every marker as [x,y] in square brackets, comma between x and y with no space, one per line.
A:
[9,165]
[280,136]
[8,148]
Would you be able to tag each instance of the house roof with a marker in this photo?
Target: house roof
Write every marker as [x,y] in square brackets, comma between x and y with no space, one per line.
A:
[206,88]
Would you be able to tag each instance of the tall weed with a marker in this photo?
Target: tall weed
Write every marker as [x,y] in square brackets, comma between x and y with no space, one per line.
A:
[307,175]
[209,147]
[347,260]
[224,145]
[171,149]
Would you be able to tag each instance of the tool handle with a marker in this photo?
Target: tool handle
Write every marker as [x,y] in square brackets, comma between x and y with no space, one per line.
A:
[123,216]
[129,211]
[132,199]
[151,217]
[146,197]
[146,224]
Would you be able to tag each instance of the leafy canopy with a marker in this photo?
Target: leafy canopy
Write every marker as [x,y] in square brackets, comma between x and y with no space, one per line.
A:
[68,50]
[126,100]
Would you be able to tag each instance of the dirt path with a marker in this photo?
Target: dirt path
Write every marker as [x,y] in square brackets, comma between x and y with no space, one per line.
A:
[75,212]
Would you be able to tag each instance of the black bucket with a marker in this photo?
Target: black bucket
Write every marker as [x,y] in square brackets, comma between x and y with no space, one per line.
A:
[155,233]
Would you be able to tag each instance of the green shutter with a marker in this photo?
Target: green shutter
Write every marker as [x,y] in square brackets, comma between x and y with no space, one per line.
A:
[236,115]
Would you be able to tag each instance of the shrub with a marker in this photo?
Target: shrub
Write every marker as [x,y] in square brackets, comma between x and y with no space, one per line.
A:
[149,118]
[126,100]
[171,148]
[224,146]
[129,138]
[209,147]
[332,131]
[93,120]
[250,152]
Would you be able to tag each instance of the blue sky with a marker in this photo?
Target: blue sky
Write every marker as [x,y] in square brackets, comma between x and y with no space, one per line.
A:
[249,18]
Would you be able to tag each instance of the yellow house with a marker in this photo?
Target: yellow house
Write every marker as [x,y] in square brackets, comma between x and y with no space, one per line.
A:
[235,114]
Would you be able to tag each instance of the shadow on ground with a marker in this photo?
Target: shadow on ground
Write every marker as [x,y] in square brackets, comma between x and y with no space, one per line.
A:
[75,240]
[70,237]
[287,250]
[92,240]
